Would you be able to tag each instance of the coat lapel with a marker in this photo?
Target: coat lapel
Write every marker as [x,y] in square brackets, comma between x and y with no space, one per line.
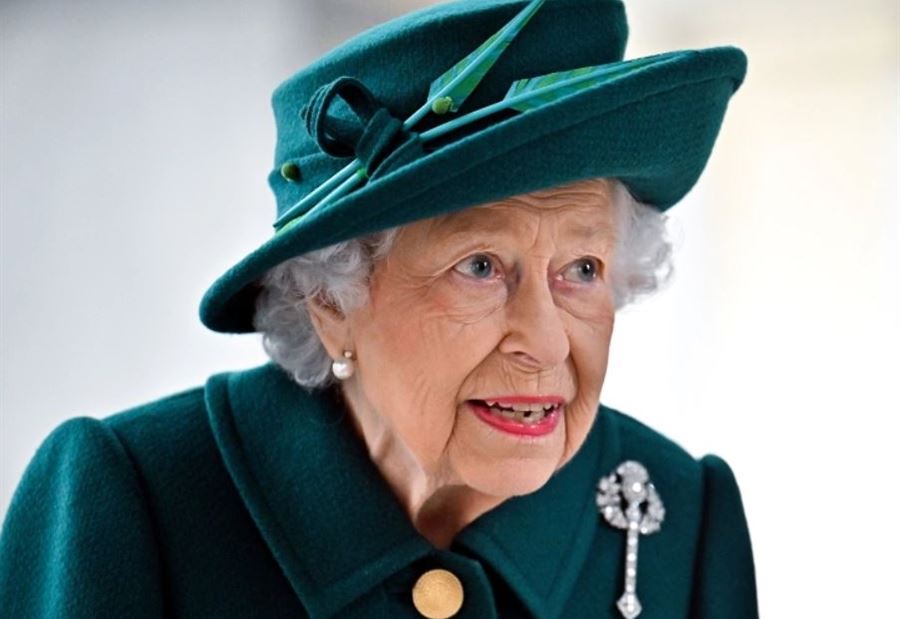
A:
[337,530]
[331,521]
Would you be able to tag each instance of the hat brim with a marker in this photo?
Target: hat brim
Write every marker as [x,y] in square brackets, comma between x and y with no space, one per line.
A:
[653,130]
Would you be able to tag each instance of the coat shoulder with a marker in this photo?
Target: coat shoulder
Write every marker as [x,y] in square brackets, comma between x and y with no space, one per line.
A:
[78,520]
[171,445]
[167,417]
[638,441]
[169,439]
[658,452]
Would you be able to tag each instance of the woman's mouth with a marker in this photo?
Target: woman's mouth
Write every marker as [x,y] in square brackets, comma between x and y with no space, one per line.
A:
[522,416]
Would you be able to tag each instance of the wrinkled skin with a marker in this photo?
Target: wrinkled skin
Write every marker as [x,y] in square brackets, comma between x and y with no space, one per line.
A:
[498,299]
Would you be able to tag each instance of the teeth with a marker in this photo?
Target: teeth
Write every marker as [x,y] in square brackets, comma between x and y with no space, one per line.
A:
[530,414]
[535,408]
[527,407]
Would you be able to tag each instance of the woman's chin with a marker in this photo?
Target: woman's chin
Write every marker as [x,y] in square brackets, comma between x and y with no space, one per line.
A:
[501,463]
[506,477]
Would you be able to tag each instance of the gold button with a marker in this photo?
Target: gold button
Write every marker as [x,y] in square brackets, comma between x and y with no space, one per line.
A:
[438,594]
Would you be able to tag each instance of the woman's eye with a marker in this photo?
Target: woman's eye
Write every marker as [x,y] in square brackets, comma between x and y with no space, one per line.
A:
[479,266]
[583,270]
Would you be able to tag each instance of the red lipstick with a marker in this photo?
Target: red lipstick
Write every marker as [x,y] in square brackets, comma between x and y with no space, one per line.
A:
[513,426]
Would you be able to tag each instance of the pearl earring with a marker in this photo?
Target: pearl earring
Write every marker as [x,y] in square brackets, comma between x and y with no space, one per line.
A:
[343,368]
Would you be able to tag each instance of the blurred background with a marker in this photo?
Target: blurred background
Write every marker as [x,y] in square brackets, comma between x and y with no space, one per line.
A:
[135,139]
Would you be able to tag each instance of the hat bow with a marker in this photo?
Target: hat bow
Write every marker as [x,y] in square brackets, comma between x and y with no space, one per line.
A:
[371,134]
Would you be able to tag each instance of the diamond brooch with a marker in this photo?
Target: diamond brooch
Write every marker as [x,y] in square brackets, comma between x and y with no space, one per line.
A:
[628,500]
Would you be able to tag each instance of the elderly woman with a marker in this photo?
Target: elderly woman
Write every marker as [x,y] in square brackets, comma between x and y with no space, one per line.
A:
[456,230]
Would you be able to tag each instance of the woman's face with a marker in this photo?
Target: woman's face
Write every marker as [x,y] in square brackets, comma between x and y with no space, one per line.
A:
[509,302]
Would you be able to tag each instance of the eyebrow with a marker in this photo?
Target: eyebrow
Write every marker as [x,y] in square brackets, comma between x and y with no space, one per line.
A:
[493,225]
[586,231]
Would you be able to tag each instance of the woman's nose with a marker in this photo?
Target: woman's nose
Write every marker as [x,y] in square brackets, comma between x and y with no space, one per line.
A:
[535,332]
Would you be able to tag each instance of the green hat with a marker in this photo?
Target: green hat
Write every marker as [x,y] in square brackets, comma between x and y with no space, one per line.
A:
[472,101]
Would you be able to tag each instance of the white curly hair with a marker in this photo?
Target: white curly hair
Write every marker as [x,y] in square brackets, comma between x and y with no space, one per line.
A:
[340,273]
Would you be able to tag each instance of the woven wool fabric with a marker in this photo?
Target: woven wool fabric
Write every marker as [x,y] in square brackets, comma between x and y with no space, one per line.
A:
[251,497]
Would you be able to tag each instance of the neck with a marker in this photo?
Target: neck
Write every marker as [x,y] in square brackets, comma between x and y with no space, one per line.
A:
[436,502]
[448,510]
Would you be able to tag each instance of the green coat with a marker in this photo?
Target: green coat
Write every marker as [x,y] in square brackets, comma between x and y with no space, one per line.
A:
[251,497]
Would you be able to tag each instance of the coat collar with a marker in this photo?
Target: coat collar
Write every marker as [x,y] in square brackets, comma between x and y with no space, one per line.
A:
[310,486]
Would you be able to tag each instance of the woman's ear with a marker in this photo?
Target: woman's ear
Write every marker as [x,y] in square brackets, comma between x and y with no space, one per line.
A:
[331,325]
